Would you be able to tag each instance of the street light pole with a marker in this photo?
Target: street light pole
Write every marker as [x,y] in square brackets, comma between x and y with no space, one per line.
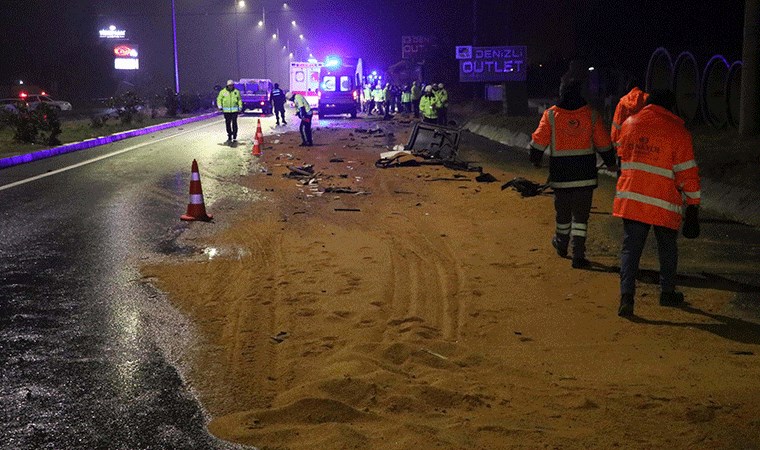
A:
[237,37]
[176,63]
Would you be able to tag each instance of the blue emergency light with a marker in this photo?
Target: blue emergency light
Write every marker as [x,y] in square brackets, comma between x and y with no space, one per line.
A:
[332,62]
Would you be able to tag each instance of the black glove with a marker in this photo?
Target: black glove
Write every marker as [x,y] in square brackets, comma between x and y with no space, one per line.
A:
[691,222]
[536,156]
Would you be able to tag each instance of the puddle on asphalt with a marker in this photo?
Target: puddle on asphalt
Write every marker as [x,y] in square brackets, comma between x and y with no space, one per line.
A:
[227,253]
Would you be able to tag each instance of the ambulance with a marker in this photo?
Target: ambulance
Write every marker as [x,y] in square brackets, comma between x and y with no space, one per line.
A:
[340,84]
[304,80]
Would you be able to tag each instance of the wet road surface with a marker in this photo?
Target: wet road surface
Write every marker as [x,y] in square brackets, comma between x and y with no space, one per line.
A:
[85,346]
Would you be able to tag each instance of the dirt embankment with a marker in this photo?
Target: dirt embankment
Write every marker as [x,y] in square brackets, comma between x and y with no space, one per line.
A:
[429,311]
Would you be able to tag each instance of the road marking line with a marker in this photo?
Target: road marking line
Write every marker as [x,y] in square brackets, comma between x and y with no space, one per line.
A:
[89,161]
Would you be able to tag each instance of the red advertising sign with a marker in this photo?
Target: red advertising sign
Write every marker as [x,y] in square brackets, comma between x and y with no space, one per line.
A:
[125,51]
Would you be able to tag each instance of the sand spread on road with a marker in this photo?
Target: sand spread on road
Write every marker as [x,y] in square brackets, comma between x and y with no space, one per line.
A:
[430,311]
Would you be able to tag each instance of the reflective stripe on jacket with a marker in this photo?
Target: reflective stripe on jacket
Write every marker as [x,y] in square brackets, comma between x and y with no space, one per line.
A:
[443,97]
[429,106]
[629,104]
[378,95]
[229,102]
[277,97]
[573,137]
[658,169]
[301,102]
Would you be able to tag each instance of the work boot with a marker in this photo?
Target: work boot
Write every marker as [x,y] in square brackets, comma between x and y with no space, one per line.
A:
[283,122]
[581,263]
[560,247]
[277,124]
[626,305]
[671,298]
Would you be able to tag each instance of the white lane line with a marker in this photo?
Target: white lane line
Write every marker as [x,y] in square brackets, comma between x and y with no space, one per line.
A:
[90,161]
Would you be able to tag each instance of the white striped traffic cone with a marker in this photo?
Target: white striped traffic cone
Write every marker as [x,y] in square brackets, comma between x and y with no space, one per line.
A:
[196,209]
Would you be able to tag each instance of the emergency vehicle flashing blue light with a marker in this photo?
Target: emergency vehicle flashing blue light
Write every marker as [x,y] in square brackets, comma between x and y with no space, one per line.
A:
[332,62]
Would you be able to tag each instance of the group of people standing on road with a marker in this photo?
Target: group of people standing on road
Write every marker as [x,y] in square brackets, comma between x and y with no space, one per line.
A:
[230,102]
[651,151]
[432,101]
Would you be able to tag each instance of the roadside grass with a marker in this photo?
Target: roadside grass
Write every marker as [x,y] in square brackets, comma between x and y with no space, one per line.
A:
[722,155]
[77,130]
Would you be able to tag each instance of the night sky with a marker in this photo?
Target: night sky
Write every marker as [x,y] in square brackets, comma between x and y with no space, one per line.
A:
[54,43]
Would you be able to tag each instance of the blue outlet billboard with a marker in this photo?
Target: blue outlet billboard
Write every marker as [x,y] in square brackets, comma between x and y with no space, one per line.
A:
[489,64]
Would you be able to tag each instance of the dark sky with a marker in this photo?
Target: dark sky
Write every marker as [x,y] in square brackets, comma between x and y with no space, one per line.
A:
[54,42]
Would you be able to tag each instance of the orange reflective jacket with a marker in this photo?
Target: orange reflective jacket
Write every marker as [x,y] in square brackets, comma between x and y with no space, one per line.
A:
[657,169]
[573,137]
[629,105]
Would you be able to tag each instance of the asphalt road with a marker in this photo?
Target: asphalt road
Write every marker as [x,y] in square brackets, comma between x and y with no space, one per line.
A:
[85,346]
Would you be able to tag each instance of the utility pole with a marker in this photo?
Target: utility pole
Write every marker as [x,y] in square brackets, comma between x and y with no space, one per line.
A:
[176,63]
[749,115]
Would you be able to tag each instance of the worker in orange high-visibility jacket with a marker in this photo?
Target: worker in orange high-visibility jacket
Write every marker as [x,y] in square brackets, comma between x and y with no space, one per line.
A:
[629,104]
[573,133]
[658,174]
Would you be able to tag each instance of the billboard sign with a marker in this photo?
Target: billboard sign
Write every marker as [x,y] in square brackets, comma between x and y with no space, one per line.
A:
[126,57]
[490,64]
[416,47]
[112,33]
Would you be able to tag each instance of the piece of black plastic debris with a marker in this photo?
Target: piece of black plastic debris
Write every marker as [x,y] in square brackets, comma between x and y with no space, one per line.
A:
[336,160]
[348,209]
[485,178]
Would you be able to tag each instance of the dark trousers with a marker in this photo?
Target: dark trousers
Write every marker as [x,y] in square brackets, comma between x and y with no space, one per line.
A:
[573,208]
[634,237]
[443,116]
[279,109]
[416,106]
[407,106]
[305,129]
[230,121]
[388,107]
[430,120]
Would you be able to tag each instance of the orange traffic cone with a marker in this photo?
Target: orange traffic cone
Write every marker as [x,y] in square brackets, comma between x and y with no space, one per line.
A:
[259,133]
[196,209]
[256,145]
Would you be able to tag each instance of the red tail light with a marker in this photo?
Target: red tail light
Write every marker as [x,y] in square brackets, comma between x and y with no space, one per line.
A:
[262,103]
[23,95]
[43,93]
[356,95]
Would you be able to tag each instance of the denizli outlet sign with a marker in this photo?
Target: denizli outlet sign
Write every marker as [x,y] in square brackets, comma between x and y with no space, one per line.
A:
[113,33]
[477,64]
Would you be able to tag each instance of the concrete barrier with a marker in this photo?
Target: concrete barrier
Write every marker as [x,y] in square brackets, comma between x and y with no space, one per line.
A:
[103,140]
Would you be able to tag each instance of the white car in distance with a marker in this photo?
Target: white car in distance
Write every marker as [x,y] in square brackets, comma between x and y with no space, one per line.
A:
[34,100]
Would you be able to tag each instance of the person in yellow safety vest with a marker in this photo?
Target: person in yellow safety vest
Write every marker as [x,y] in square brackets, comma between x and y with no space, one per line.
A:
[416,96]
[443,99]
[367,98]
[429,106]
[303,111]
[230,103]
[387,98]
[378,98]
[406,99]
